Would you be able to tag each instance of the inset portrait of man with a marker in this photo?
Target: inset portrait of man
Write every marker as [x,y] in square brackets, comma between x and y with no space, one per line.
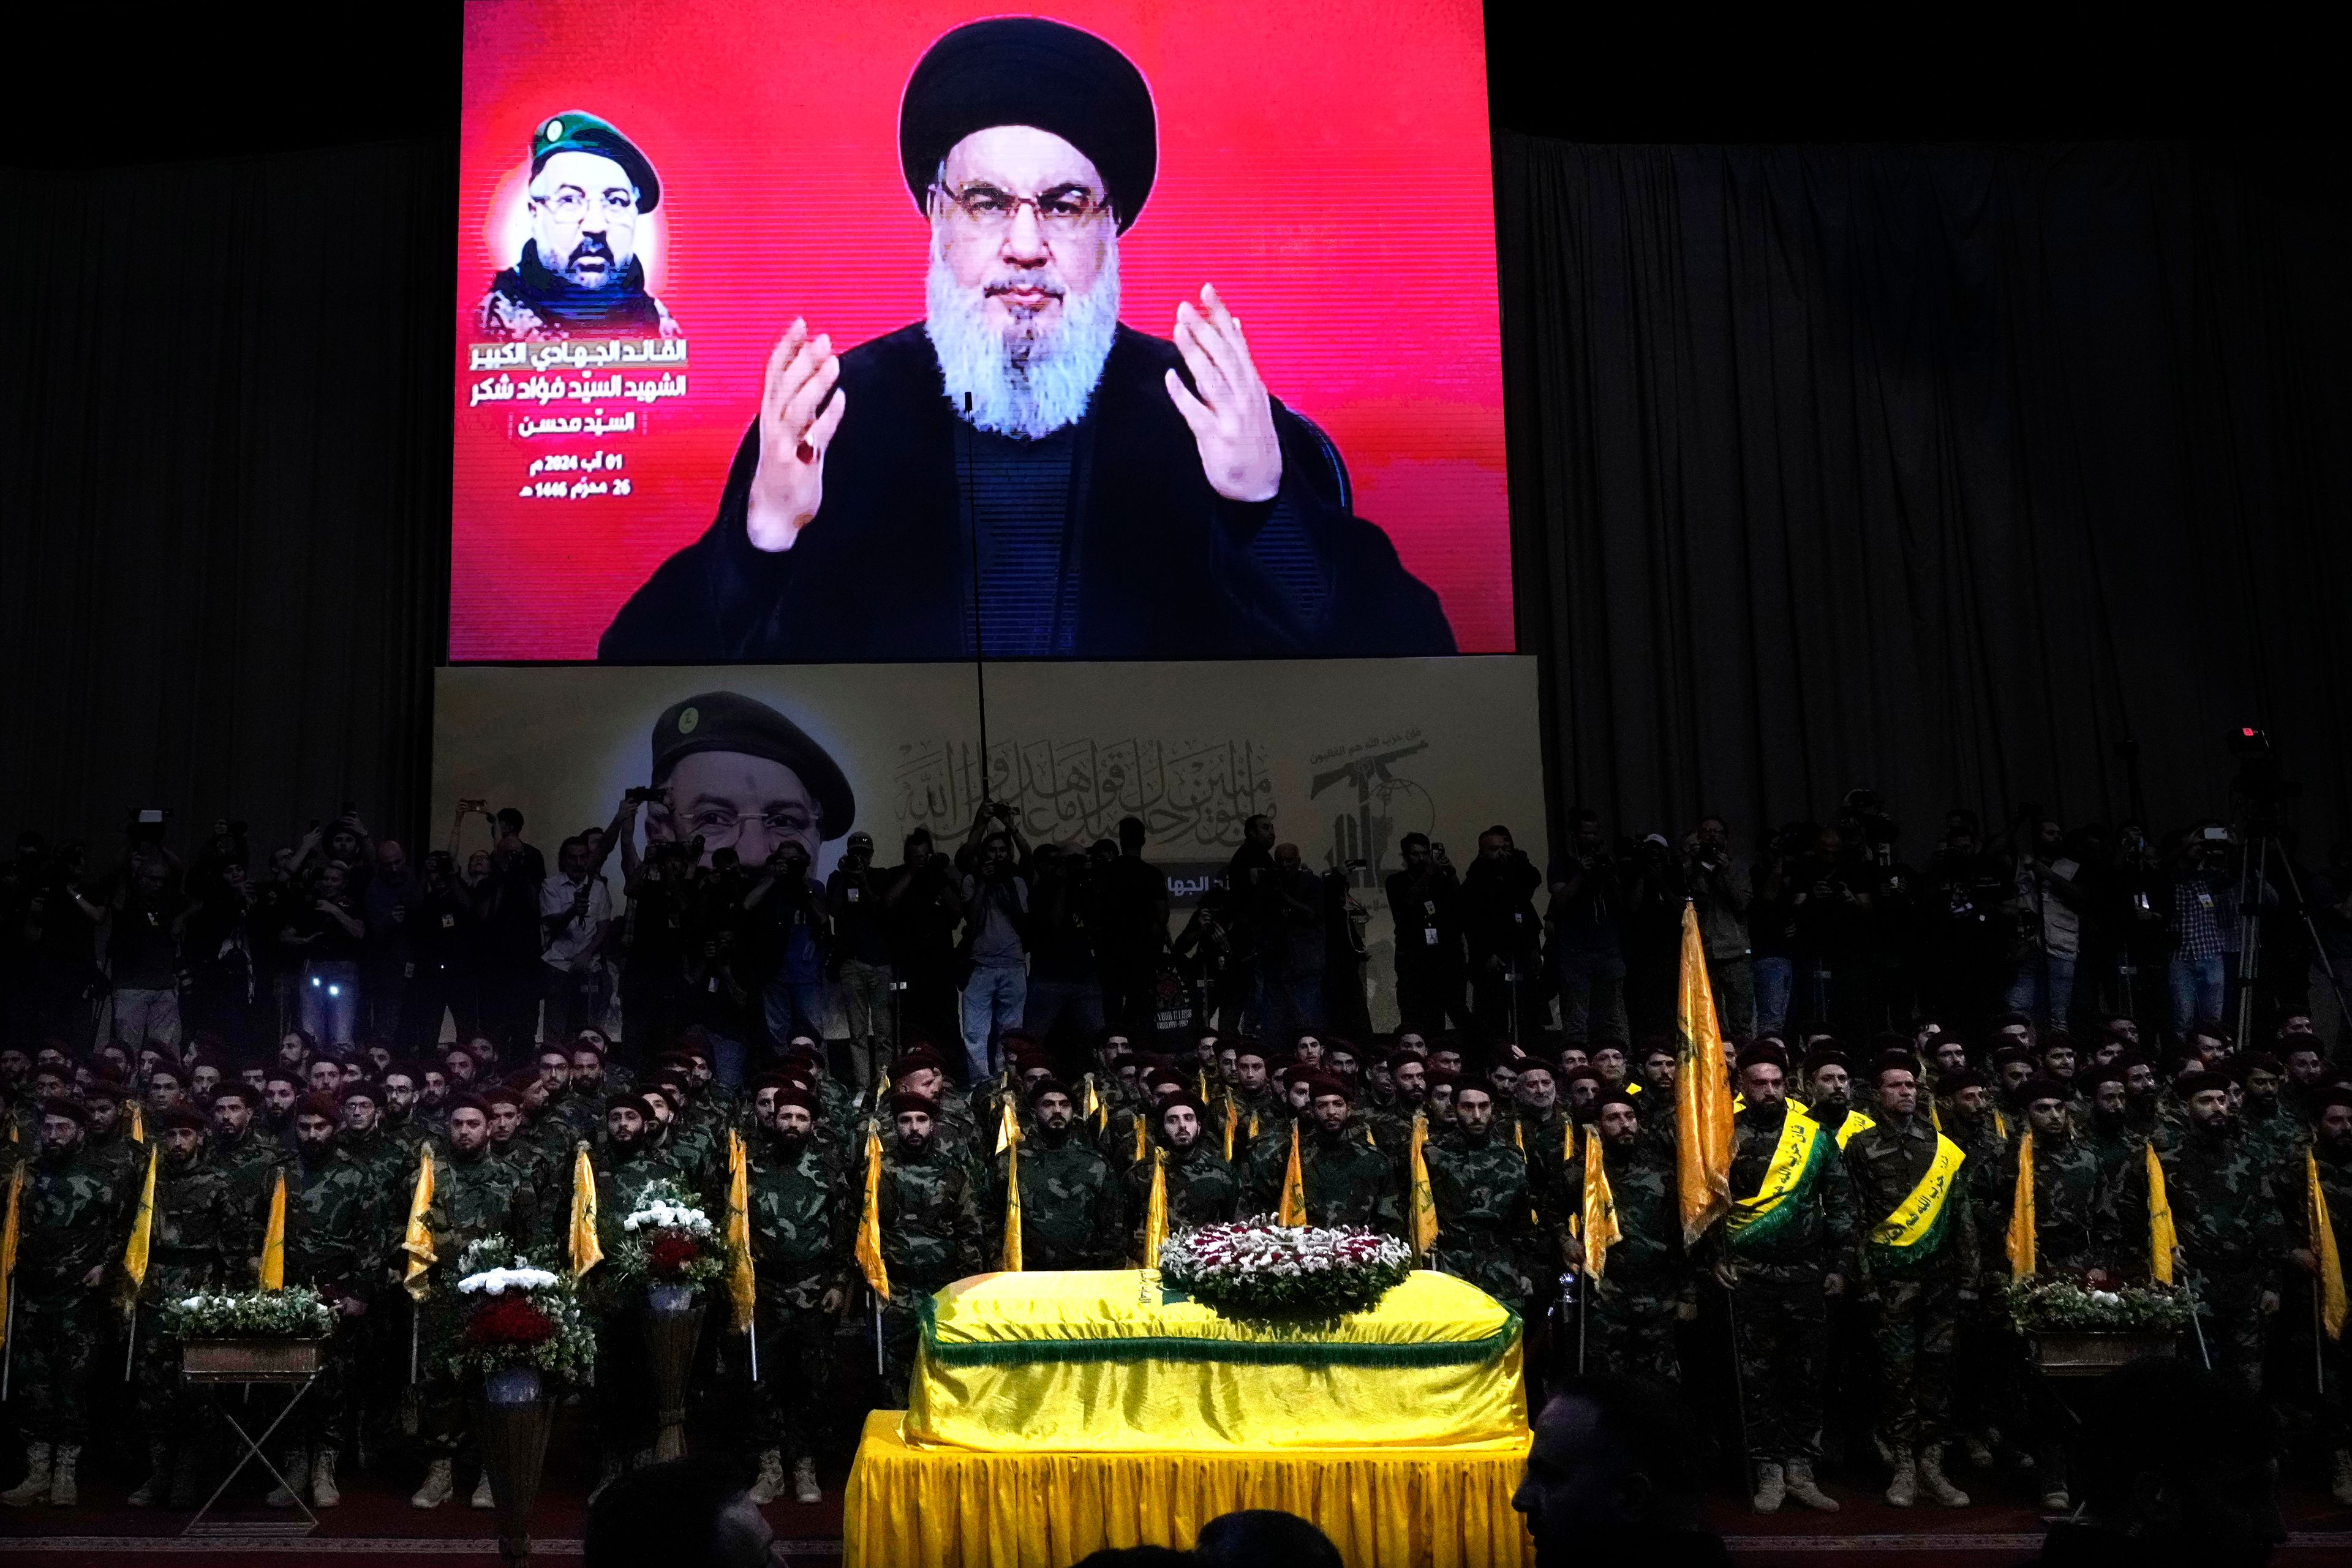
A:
[580,275]
[737,775]
[1021,474]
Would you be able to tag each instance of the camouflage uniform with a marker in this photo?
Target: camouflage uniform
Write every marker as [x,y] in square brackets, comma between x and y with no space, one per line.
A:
[803,1218]
[1545,1140]
[1346,1181]
[115,1154]
[623,1398]
[202,1234]
[2074,1208]
[1917,1288]
[1781,1317]
[1262,1165]
[1631,1311]
[474,1195]
[338,1220]
[1485,1224]
[1072,1210]
[2226,1213]
[929,1205]
[1203,1189]
[74,1215]
[2273,1134]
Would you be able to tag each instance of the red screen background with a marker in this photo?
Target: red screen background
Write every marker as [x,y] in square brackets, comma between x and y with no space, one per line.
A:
[1324,164]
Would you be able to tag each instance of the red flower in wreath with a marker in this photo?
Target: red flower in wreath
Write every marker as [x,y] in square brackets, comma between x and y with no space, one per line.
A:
[670,1254]
[510,1320]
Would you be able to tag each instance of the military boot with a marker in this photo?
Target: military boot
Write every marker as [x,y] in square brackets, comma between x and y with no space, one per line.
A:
[1931,1476]
[805,1488]
[322,1481]
[770,1485]
[1770,1488]
[1903,1491]
[62,1492]
[1800,1487]
[289,1492]
[2052,1471]
[188,1478]
[157,1486]
[483,1496]
[36,1484]
[438,1485]
[2340,1487]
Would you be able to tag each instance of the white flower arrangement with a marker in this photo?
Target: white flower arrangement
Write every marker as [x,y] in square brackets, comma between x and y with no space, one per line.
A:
[1257,1267]
[520,1275]
[297,1314]
[664,1240]
[654,1214]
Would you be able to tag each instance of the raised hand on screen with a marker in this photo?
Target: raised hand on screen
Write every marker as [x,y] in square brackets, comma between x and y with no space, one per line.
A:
[789,485]
[1231,416]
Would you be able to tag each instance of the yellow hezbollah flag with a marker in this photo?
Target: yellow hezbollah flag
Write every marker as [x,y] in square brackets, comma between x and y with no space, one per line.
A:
[2323,1246]
[869,1222]
[1294,1186]
[1424,1200]
[2021,1212]
[142,1235]
[8,1244]
[418,1242]
[1598,1210]
[138,1124]
[586,1250]
[1155,1210]
[2160,1238]
[1139,1135]
[273,1239]
[1702,1095]
[1094,1106]
[742,1285]
[1008,1144]
[1233,1118]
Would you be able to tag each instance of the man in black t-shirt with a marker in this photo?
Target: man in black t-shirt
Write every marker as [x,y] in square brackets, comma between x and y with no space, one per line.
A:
[1425,901]
[854,896]
[1134,934]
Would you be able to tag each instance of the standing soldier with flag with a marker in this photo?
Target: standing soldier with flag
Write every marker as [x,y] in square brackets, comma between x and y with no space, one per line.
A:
[1480,1188]
[198,1238]
[928,1211]
[801,1216]
[338,1225]
[1644,1287]
[1342,1180]
[2056,1215]
[1786,1249]
[619,1173]
[1920,1259]
[470,1193]
[1073,1211]
[2329,1173]
[74,1217]
[1200,1187]
[2226,1214]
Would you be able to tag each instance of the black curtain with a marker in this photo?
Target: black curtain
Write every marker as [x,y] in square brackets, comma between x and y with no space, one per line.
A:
[1931,470]
[223,450]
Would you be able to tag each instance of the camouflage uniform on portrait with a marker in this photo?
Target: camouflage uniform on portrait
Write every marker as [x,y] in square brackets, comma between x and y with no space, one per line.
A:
[1486,1222]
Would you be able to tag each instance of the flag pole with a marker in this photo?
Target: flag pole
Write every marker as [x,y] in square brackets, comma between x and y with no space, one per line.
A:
[1739,1389]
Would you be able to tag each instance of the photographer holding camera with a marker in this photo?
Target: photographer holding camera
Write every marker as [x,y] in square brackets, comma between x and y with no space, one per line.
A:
[1718,883]
[926,905]
[1587,919]
[787,906]
[1065,916]
[659,884]
[854,901]
[575,912]
[994,950]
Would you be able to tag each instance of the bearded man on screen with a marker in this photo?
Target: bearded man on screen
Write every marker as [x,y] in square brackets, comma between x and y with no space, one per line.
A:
[1098,492]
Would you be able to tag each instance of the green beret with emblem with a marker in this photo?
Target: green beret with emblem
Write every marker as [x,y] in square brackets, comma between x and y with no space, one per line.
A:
[573,132]
[731,721]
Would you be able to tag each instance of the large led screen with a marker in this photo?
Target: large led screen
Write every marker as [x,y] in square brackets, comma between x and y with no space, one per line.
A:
[914,330]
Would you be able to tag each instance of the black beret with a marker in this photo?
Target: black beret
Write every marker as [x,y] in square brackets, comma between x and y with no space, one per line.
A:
[2333,1094]
[329,1106]
[183,1116]
[573,132]
[793,1094]
[73,1110]
[1320,1084]
[1960,1078]
[360,1088]
[624,1101]
[1617,1094]
[2189,1084]
[904,1099]
[1026,70]
[731,721]
[1819,1059]
[1045,1086]
[2043,1088]
[1187,1102]
[1754,1055]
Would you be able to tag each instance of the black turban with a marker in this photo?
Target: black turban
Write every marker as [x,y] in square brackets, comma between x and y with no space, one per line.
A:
[1026,70]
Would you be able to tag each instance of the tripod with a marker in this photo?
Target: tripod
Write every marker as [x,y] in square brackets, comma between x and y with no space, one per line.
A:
[2253,881]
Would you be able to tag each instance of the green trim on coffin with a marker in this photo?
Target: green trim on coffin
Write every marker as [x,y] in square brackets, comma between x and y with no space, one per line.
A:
[1256,1352]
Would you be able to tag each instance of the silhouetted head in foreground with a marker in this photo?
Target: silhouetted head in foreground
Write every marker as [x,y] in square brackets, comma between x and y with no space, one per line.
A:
[1613,1476]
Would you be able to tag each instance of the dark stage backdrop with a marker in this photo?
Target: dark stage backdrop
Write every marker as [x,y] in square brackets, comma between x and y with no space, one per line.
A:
[1932,470]
[1937,469]
[224,455]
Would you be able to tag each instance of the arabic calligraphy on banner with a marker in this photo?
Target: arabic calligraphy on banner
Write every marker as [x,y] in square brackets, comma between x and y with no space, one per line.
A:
[1192,795]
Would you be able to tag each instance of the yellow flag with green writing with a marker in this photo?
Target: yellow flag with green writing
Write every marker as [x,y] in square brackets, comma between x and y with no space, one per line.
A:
[2021,1222]
[142,1238]
[1423,1196]
[869,1219]
[1702,1094]
[417,1243]
[2322,1247]
[273,1238]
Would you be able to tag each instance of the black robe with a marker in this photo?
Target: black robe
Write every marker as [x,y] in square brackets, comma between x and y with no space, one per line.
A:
[1164,566]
